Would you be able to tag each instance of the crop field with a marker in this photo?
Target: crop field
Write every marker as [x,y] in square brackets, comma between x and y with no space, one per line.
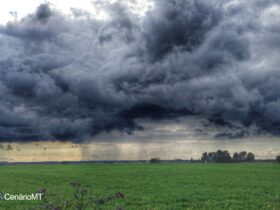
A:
[148,186]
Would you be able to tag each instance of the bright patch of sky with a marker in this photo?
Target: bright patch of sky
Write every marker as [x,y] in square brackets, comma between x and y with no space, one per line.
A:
[17,9]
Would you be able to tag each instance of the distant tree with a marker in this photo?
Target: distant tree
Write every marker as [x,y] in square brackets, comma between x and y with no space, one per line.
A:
[155,160]
[204,157]
[218,157]
[235,157]
[211,157]
[250,157]
[223,156]
[278,158]
[242,156]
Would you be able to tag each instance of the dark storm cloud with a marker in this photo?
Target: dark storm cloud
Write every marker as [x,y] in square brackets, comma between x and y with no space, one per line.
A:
[71,78]
[178,24]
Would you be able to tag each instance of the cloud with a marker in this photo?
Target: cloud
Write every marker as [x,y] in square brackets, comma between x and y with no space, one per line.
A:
[71,78]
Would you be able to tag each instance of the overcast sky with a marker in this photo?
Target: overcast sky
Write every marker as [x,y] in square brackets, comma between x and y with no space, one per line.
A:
[148,74]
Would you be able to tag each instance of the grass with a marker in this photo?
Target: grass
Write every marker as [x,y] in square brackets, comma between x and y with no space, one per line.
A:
[152,186]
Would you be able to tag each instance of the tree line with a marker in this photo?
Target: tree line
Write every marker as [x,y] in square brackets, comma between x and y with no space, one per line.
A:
[225,157]
[221,157]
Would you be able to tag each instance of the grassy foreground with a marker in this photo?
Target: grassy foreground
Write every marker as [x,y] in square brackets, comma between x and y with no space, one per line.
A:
[151,186]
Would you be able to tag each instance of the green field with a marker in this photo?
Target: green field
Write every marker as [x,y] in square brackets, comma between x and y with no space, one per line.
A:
[151,186]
